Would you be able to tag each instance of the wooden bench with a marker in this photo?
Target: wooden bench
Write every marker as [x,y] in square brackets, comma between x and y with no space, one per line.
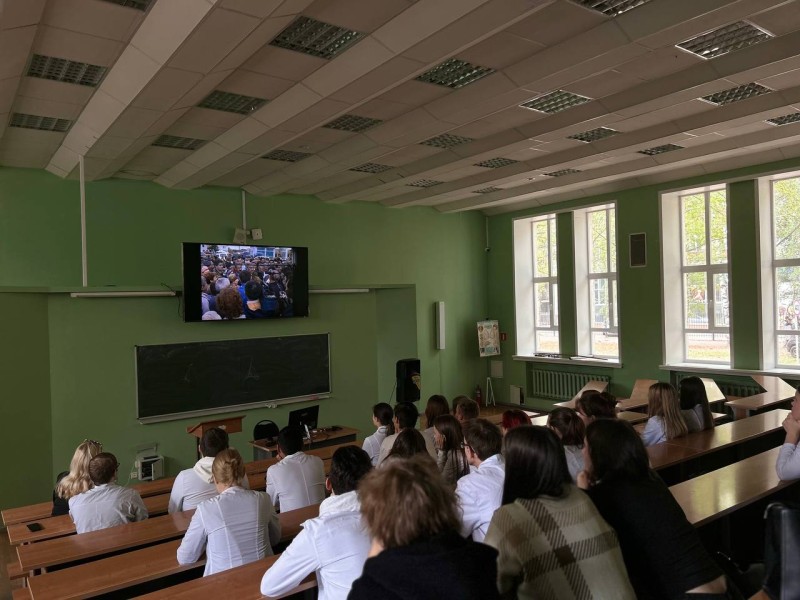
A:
[777,392]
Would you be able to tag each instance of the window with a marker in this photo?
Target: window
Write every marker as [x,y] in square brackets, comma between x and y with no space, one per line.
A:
[694,228]
[596,281]
[536,285]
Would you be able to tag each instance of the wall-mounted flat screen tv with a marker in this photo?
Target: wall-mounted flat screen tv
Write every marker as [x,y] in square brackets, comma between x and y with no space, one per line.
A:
[233,282]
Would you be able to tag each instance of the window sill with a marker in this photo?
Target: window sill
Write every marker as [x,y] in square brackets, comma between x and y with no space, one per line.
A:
[725,370]
[595,362]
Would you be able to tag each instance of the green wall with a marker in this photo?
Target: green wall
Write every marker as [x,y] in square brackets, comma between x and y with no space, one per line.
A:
[79,352]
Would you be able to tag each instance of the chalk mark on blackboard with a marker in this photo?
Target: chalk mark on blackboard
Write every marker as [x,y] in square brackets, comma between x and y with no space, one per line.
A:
[186,376]
[250,373]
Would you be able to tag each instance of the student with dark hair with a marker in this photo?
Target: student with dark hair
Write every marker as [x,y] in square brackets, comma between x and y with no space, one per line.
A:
[542,513]
[335,544]
[194,485]
[663,552]
[480,492]
[417,551]
[254,297]
[408,443]
[513,418]
[449,441]
[569,428]
[466,411]
[405,417]
[666,421]
[297,479]
[592,405]
[694,405]
[382,420]
[437,405]
[106,504]
[235,527]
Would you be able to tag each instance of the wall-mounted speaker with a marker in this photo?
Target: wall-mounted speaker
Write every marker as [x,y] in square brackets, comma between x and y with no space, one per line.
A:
[638,249]
[439,311]
[409,382]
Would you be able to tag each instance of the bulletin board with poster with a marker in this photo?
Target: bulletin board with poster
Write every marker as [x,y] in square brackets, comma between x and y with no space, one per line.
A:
[488,338]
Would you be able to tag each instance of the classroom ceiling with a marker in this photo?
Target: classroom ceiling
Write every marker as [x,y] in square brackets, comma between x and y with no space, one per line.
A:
[489,105]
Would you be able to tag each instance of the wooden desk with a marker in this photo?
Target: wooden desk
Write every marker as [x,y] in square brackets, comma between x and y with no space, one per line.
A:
[718,493]
[777,391]
[593,385]
[735,432]
[638,399]
[320,439]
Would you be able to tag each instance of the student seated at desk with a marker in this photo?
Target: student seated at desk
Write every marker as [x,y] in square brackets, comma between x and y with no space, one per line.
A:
[436,407]
[481,492]
[298,479]
[106,504]
[569,428]
[694,405]
[466,411]
[513,418]
[194,485]
[382,415]
[593,405]
[449,440]
[409,442]
[664,409]
[76,480]
[234,528]
[663,552]
[405,417]
[788,465]
[336,543]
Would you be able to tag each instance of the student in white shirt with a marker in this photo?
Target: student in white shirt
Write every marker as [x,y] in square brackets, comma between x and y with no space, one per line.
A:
[194,485]
[788,465]
[481,492]
[234,528]
[382,415]
[405,417]
[298,479]
[335,544]
[106,504]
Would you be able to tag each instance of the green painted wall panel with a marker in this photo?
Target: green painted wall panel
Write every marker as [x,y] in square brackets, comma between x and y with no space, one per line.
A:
[568,331]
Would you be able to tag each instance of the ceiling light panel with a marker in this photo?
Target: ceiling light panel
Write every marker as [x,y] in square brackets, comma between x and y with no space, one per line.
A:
[611,8]
[42,123]
[496,163]
[371,168]
[555,102]
[454,73]
[67,71]
[562,172]
[785,119]
[487,190]
[660,149]
[594,134]
[286,155]
[316,38]
[353,123]
[142,5]
[725,39]
[447,140]
[182,143]
[740,92]
[424,183]
[233,103]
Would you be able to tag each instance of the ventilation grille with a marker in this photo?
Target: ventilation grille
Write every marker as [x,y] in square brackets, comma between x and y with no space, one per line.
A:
[353,123]
[487,190]
[660,149]
[594,134]
[741,92]
[562,172]
[41,123]
[611,8]
[560,385]
[316,38]
[424,183]
[142,5]
[785,119]
[447,140]
[371,168]
[725,39]
[555,102]
[454,73]
[286,155]
[67,71]
[233,103]
[496,163]
[183,143]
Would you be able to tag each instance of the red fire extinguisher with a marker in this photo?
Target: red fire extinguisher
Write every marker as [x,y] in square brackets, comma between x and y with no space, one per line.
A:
[478,395]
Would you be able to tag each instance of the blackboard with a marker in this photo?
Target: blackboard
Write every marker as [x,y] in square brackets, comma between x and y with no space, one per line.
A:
[180,380]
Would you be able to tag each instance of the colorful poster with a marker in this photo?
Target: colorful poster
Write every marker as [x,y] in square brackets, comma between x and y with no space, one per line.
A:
[489,338]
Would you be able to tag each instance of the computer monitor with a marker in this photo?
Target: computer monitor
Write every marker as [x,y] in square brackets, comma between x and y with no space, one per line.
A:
[304,417]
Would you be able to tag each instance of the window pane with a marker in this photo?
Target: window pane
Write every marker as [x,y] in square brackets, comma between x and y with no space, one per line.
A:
[787,297]
[695,293]
[598,242]
[721,317]
[547,341]
[542,308]
[605,344]
[614,303]
[541,258]
[719,227]
[708,347]
[693,212]
[555,305]
[789,350]
[600,304]
[785,211]
[553,248]
[612,238]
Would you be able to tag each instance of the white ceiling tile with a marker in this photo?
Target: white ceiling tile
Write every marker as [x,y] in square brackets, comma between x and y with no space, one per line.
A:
[21,14]
[167,87]
[154,160]
[46,108]
[560,21]
[101,112]
[353,14]
[199,92]
[250,83]
[361,59]
[241,134]
[246,173]
[130,75]
[108,146]
[15,47]
[255,8]
[81,47]
[269,140]
[780,20]
[289,104]
[31,158]
[500,51]
[200,131]
[382,109]
[168,25]
[386,76]
[45,89]
[212,118]
[133,122]
[782,81]
[164,121]
[284,64]
[8,91]
[100,19]
[415,93]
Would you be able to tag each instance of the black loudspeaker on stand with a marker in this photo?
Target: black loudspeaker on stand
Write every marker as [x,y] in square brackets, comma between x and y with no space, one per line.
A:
[408,380]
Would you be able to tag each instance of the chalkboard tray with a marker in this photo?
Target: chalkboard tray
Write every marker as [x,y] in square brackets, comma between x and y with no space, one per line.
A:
[175,381]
